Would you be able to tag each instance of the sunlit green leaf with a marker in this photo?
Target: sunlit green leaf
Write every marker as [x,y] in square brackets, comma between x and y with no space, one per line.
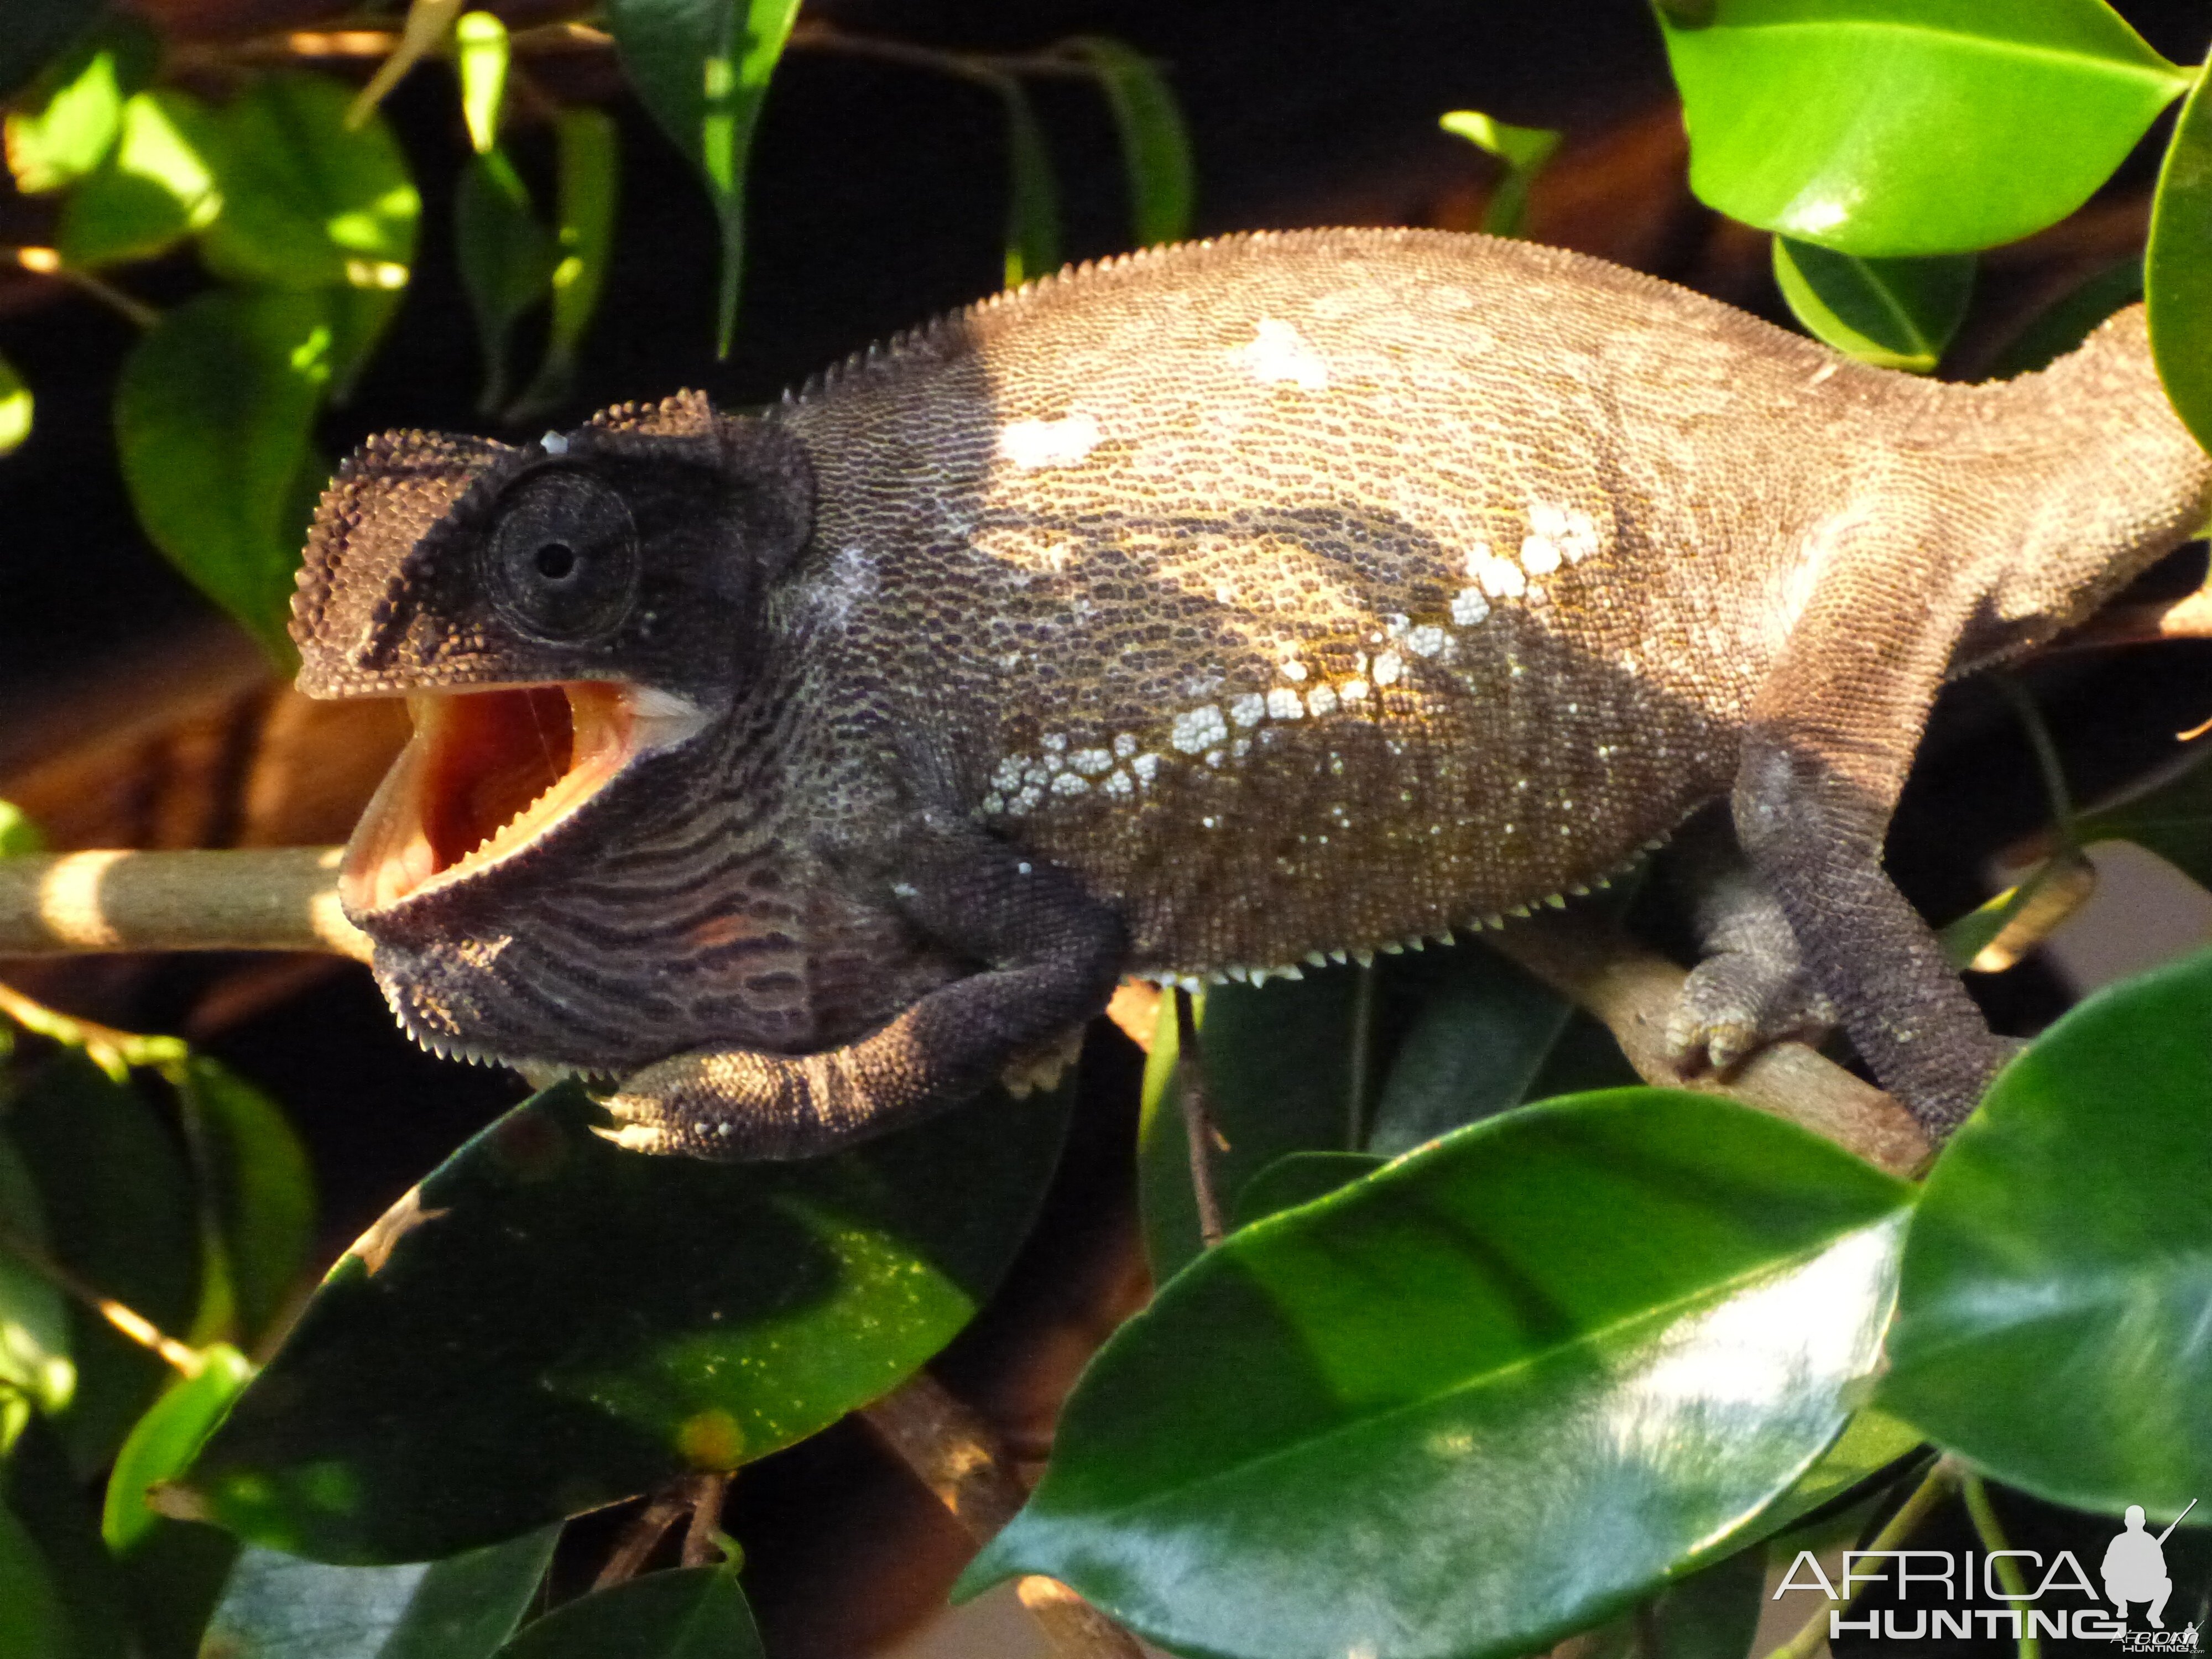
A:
[34,1323]
[1155,144]
[19,836]
[1888,128]
[15,426]
[506,258]
[279,1607]
[584,211]
[1870,1442]
[212,416]
[162,1442]
[2178,266]
[309,202]
[550,1324]
[259,1181]
[1032,198]
[1523,149]
[37,32]
[480,55]
[1487,1395]
[33,1625]
[695,1613]
[1893,314]
[63,135]
[155,187]
[703,67]
[2052,1303]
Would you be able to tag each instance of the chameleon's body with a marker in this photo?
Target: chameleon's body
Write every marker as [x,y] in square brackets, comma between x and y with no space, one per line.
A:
[1204,612]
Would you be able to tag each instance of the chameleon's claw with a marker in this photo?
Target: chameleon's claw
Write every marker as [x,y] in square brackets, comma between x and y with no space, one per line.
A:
[1737,1003]
[636,1137]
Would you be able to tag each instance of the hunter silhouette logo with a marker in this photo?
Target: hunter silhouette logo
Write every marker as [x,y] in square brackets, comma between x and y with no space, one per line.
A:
[2135,1566]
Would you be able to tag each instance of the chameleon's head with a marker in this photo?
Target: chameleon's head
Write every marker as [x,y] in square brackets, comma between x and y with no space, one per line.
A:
[557,614]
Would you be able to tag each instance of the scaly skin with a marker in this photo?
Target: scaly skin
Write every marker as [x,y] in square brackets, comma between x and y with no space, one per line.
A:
[1212,610]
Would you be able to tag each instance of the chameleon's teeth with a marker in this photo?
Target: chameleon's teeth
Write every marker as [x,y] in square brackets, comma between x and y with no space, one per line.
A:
[1394,950]
[1555,901]
[1518,910]
[1364,958]
[1317,958]
[1291,973]
[1339,958]
[1446,937]
[1494,921]
[1600,883]
[1577,889]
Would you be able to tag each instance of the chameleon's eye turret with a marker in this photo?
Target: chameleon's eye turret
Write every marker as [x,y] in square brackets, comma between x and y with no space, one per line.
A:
[562,566]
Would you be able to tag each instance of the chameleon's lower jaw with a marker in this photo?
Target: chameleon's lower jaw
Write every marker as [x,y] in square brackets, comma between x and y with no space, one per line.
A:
[488,774]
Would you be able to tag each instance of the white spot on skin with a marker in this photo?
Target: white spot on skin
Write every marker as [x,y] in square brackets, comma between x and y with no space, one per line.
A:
[1320,701]
[1499,578]
[1283,703]
[1352,691]
[1249,709]
[1428,639]
[1387,667]
[1279,353]
[1144,766]
[1118,784]
[1027,800]
[1125,745]
[554,444]
[1054,745]
[1293,669]
[1539,557]
[1010,772]
[1198,729]
[1224,593]
[1090,762]
[1031,445]
[1068,784]
[1570,533]
[1469,608]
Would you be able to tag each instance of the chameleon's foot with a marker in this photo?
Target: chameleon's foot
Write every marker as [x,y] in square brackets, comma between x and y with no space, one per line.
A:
[734,1105]
[1735,1003]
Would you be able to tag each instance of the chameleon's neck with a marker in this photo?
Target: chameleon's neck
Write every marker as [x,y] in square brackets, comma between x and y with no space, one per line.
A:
[2089,478]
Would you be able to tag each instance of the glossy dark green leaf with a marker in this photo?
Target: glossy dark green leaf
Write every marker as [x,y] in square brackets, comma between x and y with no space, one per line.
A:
[1300,1178]
[1523,149]
[1487,1395]
[2050,1313]
[279,1607]
[695,1613]
[549,1324]
[212,416]
[703,67]
[1481,1033]
[309,202]
[2069,320]
[1712,1613]
[505,259]
[1870,1442]
[34,1319]
[156,186]
[1889,128]
[118,1210]
[583,215]
[14,417]
[38,31]
[2173,818]
[34,1623]
[257,1176]
[1279,1073]
[1155,143]
[162,1442]
[1893,314]
[1032,198]
[43,1491]
[2178,266]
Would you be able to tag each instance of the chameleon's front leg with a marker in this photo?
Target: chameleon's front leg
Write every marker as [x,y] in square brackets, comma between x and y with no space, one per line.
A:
[1832,735]
[1052,954]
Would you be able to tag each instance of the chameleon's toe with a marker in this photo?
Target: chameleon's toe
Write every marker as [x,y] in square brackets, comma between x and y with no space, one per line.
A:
[1733,1005]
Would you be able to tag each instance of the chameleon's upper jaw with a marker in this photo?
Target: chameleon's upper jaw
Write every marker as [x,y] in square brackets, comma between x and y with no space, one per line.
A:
[490,773]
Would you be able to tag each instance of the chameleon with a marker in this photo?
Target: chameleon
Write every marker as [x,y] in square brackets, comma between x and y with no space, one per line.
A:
[1205,612]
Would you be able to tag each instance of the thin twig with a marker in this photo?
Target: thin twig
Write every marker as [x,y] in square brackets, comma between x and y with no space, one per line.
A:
[47,261]
[1197,1122]
[251,899]
[645,1530]
[703,1539]
[2188,618]
[144,1331]
[1932,1491]
[811,36]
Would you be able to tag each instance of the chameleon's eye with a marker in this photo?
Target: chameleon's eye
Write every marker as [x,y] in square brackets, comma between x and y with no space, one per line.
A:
[563,559]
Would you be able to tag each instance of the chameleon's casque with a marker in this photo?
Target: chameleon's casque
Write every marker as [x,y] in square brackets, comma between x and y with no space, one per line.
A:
[1211,611]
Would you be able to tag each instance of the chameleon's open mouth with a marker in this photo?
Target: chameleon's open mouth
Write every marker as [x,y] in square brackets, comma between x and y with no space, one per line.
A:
[487,773]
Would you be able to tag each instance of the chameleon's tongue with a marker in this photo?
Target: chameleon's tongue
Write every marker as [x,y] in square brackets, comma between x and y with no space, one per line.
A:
[486,773]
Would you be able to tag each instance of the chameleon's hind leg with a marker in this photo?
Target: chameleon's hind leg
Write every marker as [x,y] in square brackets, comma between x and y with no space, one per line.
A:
[1052,955]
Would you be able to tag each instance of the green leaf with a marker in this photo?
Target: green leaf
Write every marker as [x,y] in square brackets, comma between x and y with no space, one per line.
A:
[19,836]
[1480,1035]
[36,31]
[212,416]
[258,1180]
[1523,149]
[2178,266]
[308,202]
[278,1606]
[118,1212]
[505,256]
[156,187]
[34,1319]
[14,427]
[1155,144]
[162,1442]
[2171,818]
[1889,128]
[1712,1613]
[38,1484]
[1300,1178]
[2053,1300]
[1032,198]
[2071,320]
[550,1324]
[482,53]
[34,1624]
[1487,1395]
[584,237]
[69,132]
[1893,314]
[1870,1442]
[1279,1073]
[702,66]
[694,1612]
